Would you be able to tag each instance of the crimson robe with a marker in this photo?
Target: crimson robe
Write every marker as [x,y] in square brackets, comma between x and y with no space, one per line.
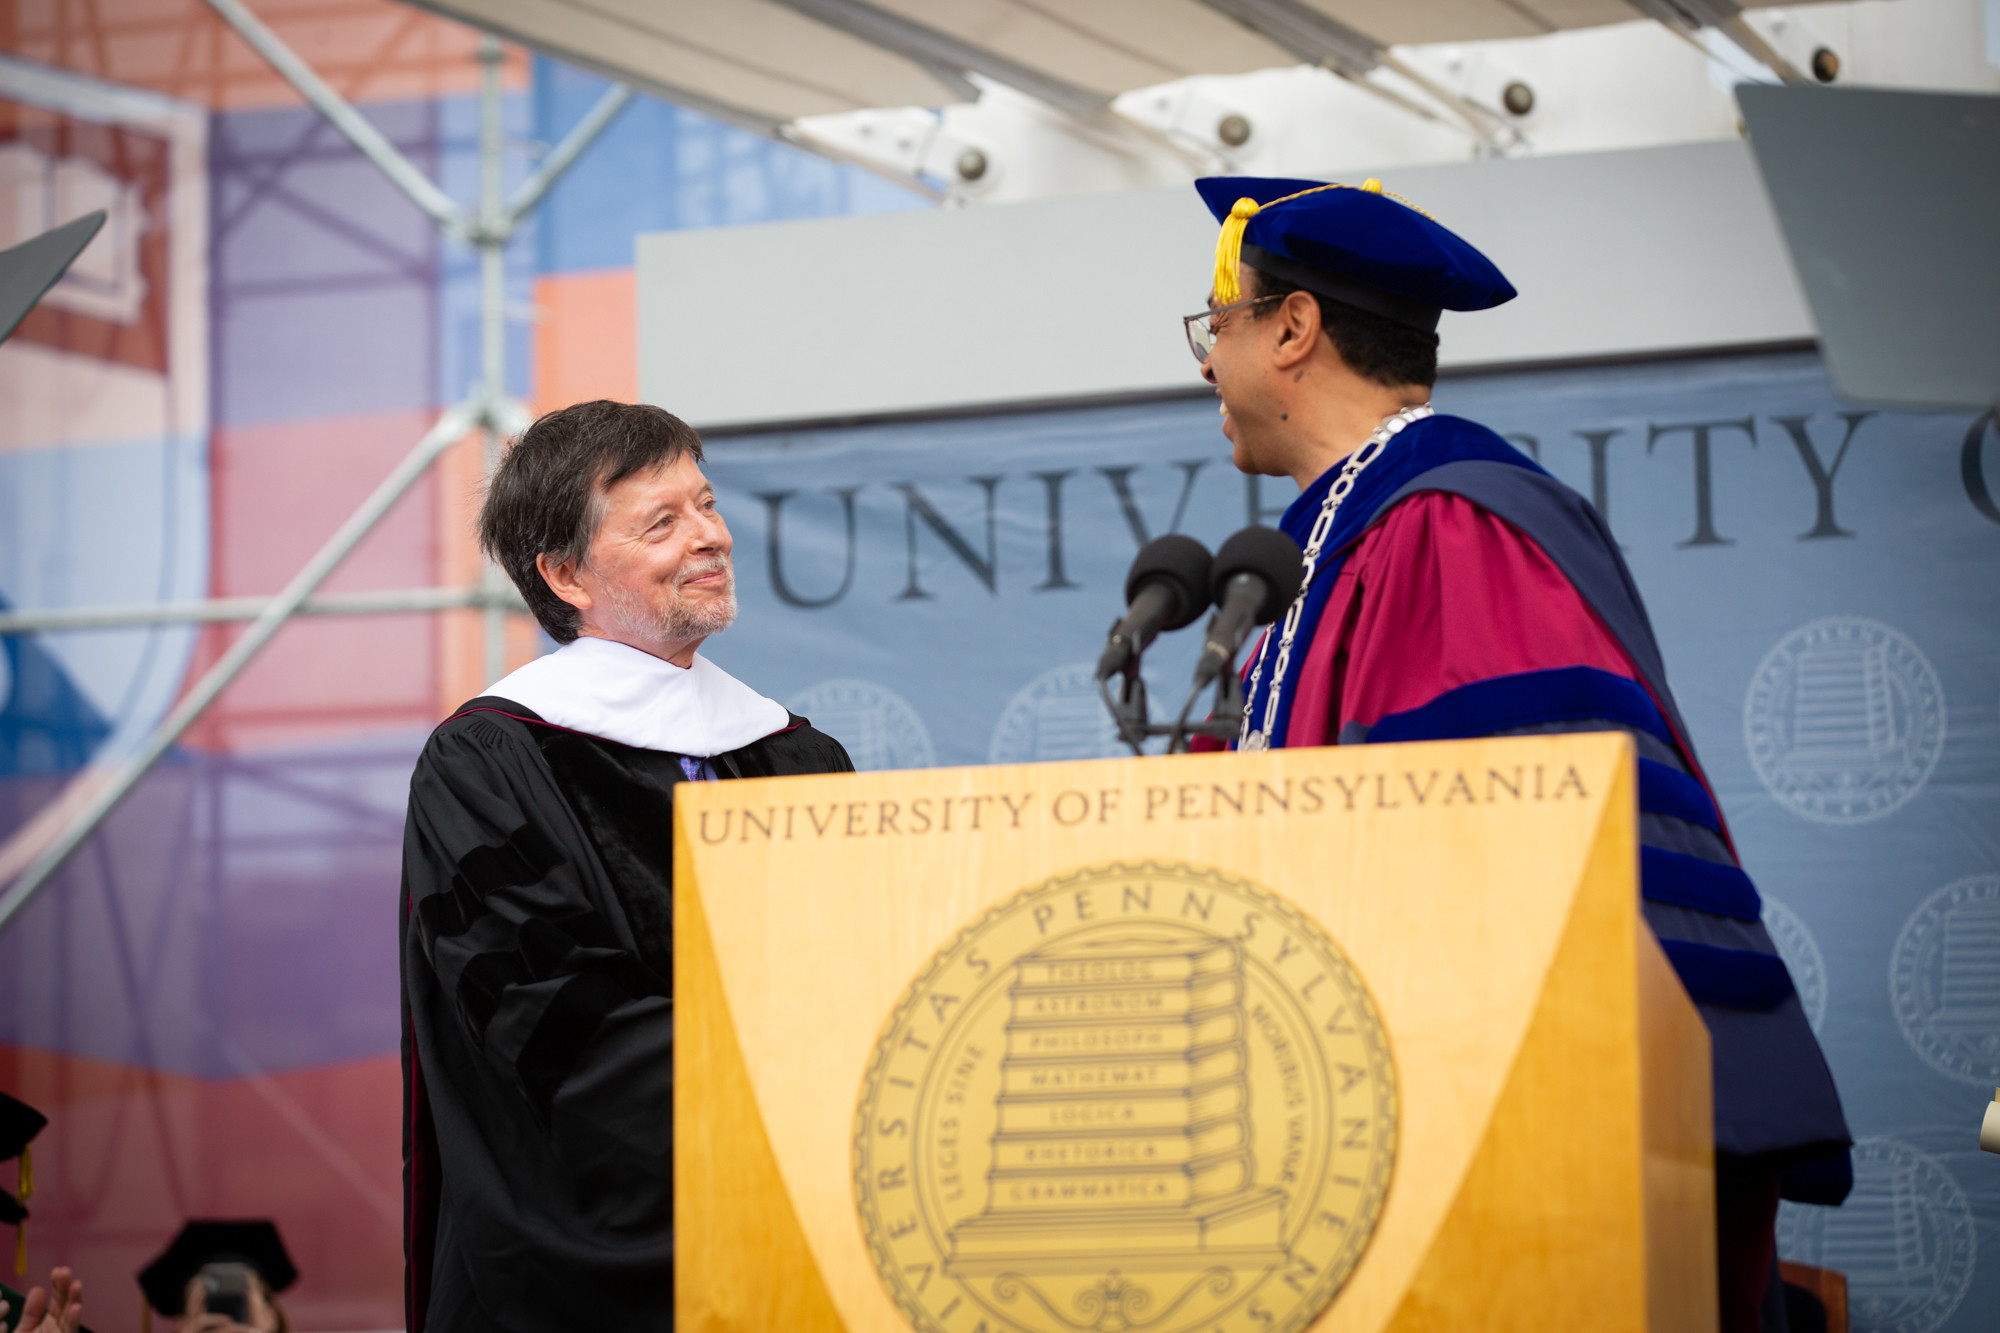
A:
[1465,592]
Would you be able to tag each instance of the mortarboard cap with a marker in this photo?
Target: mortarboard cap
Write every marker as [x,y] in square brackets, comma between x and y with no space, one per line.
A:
[201,1243]
[1354,243]
[19,1122]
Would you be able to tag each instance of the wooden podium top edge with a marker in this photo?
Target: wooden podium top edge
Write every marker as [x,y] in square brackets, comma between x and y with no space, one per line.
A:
[1588,749]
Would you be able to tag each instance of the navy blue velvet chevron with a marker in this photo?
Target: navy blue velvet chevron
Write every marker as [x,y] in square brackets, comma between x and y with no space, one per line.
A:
[1689,881]
[1668,791]
[1733,978]
[1736,978]
[1530,699]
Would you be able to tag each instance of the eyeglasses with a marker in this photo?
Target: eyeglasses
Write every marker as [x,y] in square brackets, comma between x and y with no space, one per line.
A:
[1201,331]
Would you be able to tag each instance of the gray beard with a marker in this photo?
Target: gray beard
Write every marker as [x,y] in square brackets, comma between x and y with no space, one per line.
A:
[677,622]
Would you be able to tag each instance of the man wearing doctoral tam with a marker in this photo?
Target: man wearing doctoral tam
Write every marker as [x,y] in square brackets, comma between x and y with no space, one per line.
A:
[537,881]
[19,1123]
[1455,589]
[59,1308]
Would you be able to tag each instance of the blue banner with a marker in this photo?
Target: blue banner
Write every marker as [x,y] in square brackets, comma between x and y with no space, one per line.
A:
[1825,582]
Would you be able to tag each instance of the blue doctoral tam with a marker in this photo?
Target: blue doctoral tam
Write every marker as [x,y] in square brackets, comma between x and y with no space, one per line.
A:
[1354,243]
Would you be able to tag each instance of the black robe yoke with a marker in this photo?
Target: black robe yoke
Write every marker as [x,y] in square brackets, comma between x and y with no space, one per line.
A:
[537,956]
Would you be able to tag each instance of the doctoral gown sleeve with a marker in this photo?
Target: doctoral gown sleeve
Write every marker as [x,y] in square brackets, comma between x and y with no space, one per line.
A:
[1447,622]
[1436,596]
[798,748]
[545,1046]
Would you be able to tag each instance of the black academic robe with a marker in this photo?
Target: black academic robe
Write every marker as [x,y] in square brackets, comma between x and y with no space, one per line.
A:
[537,955]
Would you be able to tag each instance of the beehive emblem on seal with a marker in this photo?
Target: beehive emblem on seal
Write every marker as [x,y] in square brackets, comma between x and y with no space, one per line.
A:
[1136,1098]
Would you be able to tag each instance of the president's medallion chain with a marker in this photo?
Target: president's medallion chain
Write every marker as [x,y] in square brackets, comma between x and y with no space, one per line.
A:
[1260,738]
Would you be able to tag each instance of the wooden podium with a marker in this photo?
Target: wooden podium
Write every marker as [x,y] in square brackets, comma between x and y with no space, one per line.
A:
[1365,1038]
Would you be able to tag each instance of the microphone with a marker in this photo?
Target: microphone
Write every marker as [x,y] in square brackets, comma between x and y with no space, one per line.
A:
[1255,576]
[1168,586]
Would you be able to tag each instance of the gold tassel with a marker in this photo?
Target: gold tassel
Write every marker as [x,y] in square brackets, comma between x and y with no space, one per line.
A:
[145,1315]
[1229,245]
[20,1248]
[1229,250]
[27,1173]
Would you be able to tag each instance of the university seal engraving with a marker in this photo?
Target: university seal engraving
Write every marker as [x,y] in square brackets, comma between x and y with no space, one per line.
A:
[1802,957]
[1137,1098]
[1057,715]
[878,726]
[1844,720]
[1944,980]
[1906,1238]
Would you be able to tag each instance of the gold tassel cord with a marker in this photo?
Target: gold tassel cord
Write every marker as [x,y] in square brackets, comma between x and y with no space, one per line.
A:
[1229,250]
[1229,245]
[26,1186]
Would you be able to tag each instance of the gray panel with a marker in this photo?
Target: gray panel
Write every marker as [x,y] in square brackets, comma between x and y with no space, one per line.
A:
[1891,204]
[1631,253]
[1638,252]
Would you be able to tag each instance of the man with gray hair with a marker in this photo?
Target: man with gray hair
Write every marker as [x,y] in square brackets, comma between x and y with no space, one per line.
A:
[537,947]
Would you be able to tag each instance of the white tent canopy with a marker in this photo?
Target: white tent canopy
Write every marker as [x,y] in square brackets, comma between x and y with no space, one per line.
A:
[768,62]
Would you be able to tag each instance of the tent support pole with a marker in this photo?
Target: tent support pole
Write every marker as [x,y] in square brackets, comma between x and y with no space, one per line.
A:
[491,238]
[101,787]
[124,774]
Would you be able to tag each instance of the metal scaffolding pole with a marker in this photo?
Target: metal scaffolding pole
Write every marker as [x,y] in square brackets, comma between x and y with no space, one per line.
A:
[595,121]
[99,790]
[491,238]
[120,781]
[220,609]
[319,95]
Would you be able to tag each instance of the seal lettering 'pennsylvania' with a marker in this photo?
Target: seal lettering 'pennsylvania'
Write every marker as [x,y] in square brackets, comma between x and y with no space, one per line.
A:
[1137,1098]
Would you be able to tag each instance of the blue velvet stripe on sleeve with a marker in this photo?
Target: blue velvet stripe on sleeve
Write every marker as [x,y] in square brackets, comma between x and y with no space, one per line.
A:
[1528,699]
[1733,978]
[1689,881]
[1668,791]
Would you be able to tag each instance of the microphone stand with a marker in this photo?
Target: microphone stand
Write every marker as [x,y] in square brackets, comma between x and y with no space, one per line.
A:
[1223,722]
[1129,712]
[1128,709]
